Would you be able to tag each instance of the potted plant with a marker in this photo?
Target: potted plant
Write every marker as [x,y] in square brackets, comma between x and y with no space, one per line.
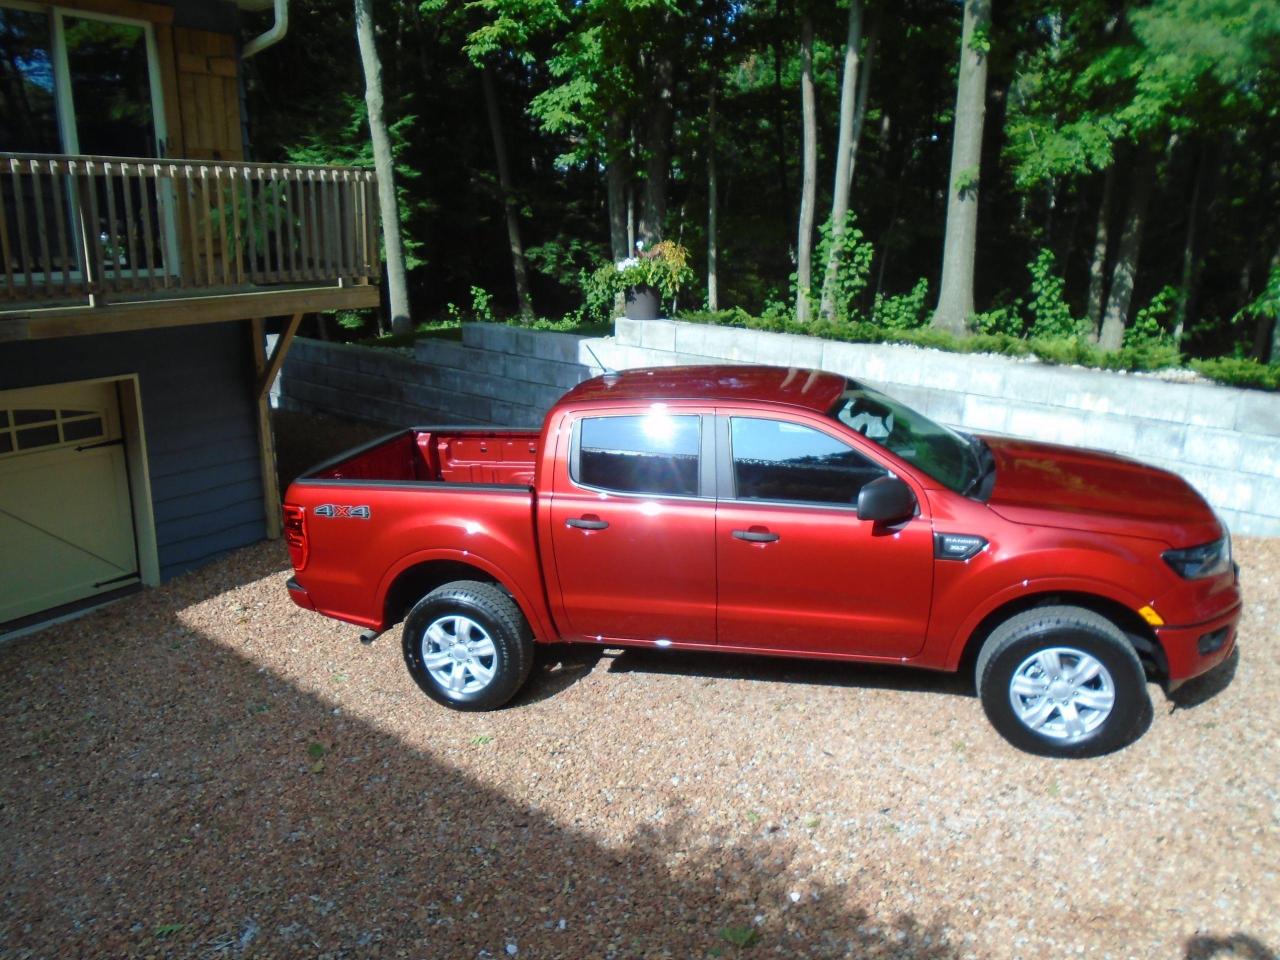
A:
[646,281]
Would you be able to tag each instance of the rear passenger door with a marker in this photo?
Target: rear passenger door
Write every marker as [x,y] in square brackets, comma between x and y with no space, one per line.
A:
[633,527]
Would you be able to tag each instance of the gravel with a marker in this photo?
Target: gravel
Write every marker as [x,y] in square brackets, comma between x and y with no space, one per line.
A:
[204,770]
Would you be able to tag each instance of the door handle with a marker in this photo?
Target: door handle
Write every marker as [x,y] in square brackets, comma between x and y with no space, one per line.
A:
[756,535]
[589,522]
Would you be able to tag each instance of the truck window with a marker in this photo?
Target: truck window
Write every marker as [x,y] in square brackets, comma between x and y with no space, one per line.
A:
[653,453]
[776,460]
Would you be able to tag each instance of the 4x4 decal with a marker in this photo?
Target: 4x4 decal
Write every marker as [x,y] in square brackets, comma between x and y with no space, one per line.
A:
[342,510]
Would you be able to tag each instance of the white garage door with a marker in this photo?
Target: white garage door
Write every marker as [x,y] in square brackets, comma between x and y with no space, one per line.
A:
[66,519]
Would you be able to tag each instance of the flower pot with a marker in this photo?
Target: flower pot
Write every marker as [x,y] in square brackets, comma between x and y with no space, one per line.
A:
[641,303]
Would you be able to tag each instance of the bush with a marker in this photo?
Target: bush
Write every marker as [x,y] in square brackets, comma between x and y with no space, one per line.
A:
[904,311]
[1240,372]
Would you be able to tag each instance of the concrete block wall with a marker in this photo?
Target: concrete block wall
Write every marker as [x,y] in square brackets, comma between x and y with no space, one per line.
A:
[1225,441]
[497,375]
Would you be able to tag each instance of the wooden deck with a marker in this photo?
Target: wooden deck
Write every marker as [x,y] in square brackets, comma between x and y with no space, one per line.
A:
[96,244]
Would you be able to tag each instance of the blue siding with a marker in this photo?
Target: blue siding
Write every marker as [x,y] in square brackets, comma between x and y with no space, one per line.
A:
[200,421]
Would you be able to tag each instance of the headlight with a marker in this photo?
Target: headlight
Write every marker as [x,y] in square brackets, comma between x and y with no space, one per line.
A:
[1207,560]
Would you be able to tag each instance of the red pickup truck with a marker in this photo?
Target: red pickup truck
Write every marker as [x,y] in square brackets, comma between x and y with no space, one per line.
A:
[774,511]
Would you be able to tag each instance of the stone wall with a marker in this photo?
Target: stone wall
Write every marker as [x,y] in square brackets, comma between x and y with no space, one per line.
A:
[1224,441]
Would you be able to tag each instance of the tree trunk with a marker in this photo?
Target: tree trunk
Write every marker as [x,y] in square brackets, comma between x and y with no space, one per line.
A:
[955,300]
[657,167]
[1190,267]
[779,130]
[849,85]
[1098,264]
[804,246]
[508,196]
[713,292]
[1266,331]
[616,192]
[397,287]
[1116,316]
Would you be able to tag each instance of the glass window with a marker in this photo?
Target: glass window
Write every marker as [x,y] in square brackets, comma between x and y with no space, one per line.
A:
[775,460]
[938,451]
[28,98]
[654,453]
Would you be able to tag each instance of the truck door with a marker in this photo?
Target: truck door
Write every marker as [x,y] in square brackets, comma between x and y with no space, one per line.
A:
[798,570]
[633,527]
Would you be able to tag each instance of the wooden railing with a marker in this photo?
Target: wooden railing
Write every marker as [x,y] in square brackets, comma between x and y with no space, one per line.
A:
[111,228]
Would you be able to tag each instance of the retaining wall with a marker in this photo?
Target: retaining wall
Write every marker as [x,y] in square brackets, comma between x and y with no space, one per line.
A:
[1225,441]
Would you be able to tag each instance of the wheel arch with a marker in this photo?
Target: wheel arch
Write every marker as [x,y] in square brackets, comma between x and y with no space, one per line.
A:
[415,577]
[1137,630]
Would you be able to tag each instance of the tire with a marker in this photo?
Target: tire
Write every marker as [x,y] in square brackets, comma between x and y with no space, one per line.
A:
[467,646]
[1063,682]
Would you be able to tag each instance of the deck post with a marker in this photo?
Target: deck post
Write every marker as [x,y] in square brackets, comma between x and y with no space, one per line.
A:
[266,438]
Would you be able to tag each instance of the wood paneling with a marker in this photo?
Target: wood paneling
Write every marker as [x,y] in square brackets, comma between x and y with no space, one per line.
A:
[208,96]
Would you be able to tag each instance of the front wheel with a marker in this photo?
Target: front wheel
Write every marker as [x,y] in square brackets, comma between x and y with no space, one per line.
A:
[467,646]
[1063,682]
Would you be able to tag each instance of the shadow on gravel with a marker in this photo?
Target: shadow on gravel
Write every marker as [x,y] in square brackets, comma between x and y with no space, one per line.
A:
[166,796]
[1237,946]
[1202,689]
[783,670]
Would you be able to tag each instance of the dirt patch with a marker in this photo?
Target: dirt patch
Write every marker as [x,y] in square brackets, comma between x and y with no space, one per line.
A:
[206,771]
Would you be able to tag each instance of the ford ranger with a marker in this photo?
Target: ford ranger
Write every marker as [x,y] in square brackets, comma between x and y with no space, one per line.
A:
[775,511]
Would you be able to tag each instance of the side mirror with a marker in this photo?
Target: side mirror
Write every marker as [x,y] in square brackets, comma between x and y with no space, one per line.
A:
[886,500]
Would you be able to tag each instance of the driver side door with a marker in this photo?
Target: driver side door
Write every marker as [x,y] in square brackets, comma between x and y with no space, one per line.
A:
[797,570]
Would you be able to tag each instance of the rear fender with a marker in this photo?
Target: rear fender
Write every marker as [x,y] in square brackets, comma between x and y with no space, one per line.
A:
[533,609]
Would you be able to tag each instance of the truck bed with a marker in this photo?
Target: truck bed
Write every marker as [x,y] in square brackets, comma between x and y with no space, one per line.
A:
[440,455]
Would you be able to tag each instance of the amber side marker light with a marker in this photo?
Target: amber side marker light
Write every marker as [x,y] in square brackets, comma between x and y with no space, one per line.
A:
[1149,614]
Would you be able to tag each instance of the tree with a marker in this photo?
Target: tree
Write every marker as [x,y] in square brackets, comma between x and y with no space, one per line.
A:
[955,299]
[809,182]
[853,111]
[397,288]
[509,207]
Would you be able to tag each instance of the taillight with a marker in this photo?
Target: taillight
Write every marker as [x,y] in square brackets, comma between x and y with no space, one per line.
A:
[295,534]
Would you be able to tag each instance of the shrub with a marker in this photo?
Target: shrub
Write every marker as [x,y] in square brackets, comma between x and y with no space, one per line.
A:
[904,311]
[1050,316]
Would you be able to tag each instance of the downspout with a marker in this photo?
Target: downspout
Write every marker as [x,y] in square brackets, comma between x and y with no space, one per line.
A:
[273,36]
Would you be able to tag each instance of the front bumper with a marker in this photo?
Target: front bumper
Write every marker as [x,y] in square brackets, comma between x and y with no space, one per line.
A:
[299,594]
[1197,649]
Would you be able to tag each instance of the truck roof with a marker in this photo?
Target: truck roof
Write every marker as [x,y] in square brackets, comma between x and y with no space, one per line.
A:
[811,389]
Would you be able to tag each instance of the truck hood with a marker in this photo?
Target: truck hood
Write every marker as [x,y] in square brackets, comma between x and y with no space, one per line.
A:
[1051,485]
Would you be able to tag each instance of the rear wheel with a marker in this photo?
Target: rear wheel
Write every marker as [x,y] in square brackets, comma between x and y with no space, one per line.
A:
[1063,682]
[467,646]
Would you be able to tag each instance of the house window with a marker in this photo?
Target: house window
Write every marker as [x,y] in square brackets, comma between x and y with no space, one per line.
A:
[76,83]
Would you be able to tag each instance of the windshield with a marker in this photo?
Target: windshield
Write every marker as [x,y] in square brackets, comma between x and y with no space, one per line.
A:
[943,454]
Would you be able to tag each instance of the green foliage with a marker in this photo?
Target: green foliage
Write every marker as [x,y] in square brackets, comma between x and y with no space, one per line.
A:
[853,255]
[1005,321]
[1149,327]
[1050,316]
[903,311]
[1240,372]
[665,268]
[481,308]
[1265,305]
[740,936]
[349,145]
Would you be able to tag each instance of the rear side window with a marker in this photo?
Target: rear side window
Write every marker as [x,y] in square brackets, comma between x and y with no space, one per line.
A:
[653,453]
[775,460]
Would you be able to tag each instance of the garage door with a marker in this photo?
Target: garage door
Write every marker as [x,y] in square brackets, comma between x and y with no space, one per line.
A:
[66,519]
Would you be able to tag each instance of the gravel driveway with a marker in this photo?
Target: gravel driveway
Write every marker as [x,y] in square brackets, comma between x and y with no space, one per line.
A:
[205,771]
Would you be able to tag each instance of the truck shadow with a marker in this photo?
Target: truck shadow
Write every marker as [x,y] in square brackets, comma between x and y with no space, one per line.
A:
[1236,946]
[170,795]
[729,666]
[1204,688]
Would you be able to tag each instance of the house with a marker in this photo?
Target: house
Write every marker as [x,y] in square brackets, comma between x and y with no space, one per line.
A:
[144,260]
